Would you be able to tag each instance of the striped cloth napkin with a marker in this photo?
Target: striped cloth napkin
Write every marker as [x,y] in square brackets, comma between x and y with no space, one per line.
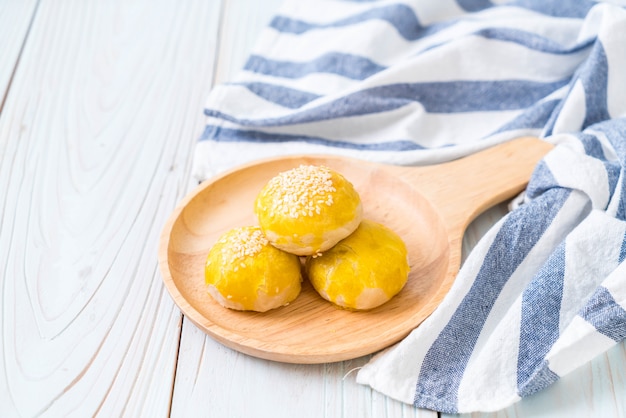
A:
[426,81]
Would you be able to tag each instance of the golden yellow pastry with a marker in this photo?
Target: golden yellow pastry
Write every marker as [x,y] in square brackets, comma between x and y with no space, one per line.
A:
[244,271]
[308,209]
[364,270]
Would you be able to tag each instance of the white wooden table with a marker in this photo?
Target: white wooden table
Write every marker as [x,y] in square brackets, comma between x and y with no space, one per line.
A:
[100,106]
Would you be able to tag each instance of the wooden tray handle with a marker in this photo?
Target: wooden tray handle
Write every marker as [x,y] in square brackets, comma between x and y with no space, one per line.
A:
[462,189]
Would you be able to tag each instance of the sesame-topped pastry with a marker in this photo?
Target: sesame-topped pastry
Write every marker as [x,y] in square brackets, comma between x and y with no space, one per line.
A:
[362,271]
[244,271]
[307,210]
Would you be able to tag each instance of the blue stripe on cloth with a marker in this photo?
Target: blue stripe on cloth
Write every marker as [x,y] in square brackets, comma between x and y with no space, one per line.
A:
[289,25]
[608,317]
[594,74]
[592,146]
[220,134]
[531,40]
[539,325]
[622,250]
[474,5]
[435,97]
[535,117]
[541,379]
[406,23]
[400,16]
[613,171]
[444,363]
[548,129]
[621,208]
[615,132]
[280,95]
[556,8]
[540,181]
[346,65]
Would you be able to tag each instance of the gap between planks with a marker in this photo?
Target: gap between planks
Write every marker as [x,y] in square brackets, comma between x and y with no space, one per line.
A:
[9,82]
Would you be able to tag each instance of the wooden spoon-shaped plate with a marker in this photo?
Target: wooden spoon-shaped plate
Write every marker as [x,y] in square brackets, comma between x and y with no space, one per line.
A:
[429,207]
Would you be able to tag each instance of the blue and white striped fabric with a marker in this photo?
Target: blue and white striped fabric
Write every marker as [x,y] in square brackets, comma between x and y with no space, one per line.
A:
[425,81]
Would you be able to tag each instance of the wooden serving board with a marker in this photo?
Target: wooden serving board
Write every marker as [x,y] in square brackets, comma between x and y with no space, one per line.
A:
[429,207]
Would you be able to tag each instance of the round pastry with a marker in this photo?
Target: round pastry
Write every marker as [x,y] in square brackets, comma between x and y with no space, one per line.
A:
[362,271]
[308,209]
[244,271]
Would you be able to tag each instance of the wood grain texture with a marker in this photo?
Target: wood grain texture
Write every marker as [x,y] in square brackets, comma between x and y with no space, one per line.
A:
[15,18]
[221,382]
[96,138]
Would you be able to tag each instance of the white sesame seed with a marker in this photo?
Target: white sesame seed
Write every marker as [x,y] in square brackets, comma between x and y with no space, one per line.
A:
[301,191]
[241,243]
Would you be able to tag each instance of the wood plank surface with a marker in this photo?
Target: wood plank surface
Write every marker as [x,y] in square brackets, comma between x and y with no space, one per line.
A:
[96,138]
[102,108]
[15,19]
[213,380]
